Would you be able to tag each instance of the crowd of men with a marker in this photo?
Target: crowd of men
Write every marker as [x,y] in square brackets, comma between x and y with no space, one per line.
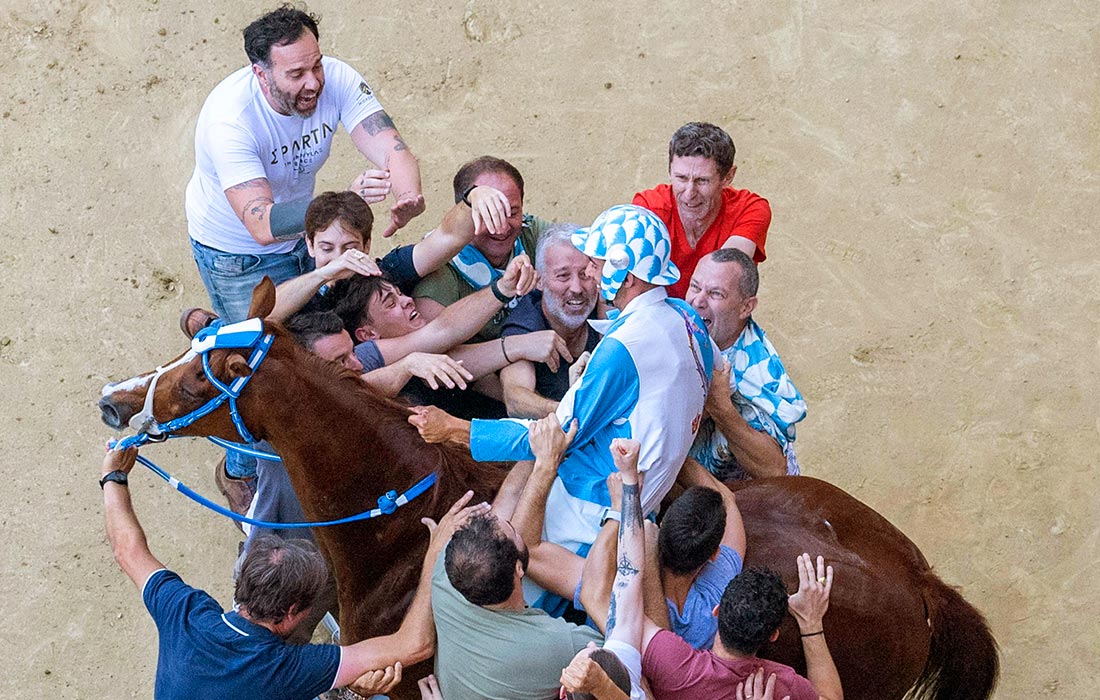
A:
[617,364]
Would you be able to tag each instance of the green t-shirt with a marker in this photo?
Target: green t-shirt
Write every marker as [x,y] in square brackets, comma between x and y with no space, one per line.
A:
[446,286]
[499,654]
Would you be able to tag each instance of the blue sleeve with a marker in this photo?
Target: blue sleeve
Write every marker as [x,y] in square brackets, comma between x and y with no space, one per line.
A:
[717,574]
[503,440]
[606,393]
[167,597]
[397,265]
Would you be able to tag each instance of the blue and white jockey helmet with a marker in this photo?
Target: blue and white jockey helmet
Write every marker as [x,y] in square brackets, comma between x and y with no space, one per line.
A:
[630,240]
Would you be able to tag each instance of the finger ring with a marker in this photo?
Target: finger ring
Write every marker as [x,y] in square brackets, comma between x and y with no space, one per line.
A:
[821,579]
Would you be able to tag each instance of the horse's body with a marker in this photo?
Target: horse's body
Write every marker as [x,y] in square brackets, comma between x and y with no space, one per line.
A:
[890,622]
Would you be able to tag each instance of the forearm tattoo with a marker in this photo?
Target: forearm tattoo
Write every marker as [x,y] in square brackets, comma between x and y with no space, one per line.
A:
[377,122]
[256,207]
[632,509]
[400,145]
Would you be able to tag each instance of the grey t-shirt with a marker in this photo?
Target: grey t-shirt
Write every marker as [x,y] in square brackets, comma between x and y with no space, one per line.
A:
[499,654]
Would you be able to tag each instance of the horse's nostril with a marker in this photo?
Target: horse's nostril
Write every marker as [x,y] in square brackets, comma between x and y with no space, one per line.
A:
[111,413]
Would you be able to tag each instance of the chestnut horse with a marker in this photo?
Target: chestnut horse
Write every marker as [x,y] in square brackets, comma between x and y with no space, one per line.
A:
[893,625]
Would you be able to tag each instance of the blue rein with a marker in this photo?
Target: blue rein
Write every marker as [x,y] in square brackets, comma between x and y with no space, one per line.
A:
[247,334]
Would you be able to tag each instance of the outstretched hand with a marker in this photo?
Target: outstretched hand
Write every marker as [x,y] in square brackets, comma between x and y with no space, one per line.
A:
[377,682]
[454,520]
[119,460]
[490,209]
[348,264]
[754,687]
[809,604]
[372,186]
[518,278]
[408,206]
[548,441]
[436,425]
[437,369]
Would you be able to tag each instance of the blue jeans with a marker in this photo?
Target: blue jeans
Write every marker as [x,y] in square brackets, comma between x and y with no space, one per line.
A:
[229,279]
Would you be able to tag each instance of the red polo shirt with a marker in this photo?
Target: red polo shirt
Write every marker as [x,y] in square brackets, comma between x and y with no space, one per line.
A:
[743,214]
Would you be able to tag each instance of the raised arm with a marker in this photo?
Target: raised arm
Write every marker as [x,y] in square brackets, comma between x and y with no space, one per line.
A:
[695,474]
[458,228]
[626,616]
[292,295]
[757,452]
[415,640]
[377,138]
[464,318]
[124,532]
[808,606]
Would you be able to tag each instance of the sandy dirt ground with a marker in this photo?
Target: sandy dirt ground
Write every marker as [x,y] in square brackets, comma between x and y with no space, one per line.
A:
[932,280]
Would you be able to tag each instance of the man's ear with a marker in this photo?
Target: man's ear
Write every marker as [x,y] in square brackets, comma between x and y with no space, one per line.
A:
[715,612]
[729,176]
[519,568]
[775,635]
[748,307]
[365,333]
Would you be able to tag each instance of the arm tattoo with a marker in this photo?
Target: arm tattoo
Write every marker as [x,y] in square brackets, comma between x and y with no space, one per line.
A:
[377,122]
[401,145]
[248,184]
[626,569]
[632,508]
[612,609]
[256,207]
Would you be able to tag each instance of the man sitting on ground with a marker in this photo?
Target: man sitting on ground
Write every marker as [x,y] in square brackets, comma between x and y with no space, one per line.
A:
[750,429]
[702,212]
[205,652]
[484,259]
[563,303]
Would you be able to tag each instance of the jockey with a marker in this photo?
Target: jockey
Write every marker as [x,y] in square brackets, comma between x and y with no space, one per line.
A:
[647,380]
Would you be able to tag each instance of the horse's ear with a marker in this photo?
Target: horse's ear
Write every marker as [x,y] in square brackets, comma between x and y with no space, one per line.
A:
[263,299]
[237,366]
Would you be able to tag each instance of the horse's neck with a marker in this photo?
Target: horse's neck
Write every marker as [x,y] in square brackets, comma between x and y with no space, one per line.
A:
[327,436]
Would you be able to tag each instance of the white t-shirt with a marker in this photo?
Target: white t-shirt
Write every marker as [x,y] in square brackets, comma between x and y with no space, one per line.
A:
[239,137]
[632,659]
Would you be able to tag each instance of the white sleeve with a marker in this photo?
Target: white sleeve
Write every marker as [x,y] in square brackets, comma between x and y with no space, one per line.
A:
[234,153]
[632,659]
[355,97]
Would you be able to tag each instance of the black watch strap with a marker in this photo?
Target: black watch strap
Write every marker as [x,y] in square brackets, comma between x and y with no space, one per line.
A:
[116,476]
[466,195]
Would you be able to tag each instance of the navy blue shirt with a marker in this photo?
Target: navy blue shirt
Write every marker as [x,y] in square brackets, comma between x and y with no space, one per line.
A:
[205,653]
[527,317]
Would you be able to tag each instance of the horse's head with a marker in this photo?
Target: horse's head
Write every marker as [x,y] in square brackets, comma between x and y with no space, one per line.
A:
[183,385]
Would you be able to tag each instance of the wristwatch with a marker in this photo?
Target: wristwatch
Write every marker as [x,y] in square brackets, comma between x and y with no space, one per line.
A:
[609,514]
[116,476]
[466,195]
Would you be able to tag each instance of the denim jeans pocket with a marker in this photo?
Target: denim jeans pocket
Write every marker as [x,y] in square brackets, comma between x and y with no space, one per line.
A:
[234,263]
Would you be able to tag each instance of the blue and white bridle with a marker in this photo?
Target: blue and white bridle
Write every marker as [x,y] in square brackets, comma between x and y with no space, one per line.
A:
[216,336]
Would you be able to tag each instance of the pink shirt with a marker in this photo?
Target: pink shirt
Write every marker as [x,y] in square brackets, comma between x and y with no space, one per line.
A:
[676,671]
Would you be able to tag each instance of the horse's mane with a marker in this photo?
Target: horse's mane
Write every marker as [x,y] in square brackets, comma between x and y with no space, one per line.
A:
[389,417]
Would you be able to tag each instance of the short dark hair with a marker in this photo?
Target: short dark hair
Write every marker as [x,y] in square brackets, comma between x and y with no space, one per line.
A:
[749,283]
[310,327]
[354,296]
[469,172]
[283,25]
[278,575]
[348,207]
[613,666]
[752,608]
[706,140]
[691,530]
[481,561]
